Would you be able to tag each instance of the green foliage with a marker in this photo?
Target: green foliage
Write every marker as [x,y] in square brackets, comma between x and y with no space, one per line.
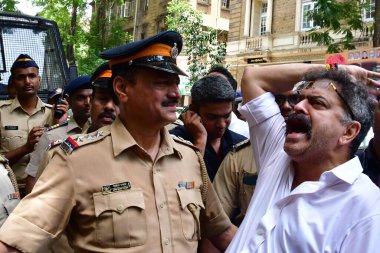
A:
[8,5]
[92,35]
[337,19]
[200,43]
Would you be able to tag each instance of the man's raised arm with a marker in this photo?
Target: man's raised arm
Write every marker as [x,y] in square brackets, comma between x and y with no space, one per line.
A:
[275,78]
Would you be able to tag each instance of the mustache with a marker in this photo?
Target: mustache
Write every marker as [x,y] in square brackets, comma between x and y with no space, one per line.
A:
[107,114]
[298,123]
[169,102]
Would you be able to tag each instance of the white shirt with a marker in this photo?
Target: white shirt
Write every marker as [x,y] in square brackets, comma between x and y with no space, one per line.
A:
[7,201]
[238,126]
[338,213]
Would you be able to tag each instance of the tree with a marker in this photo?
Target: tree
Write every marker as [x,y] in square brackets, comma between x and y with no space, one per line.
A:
[200,43]
[69,15]
[106,31]
[339,19]
[8,5]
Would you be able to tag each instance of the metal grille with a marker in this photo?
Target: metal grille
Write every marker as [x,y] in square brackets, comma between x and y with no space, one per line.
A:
[37,37]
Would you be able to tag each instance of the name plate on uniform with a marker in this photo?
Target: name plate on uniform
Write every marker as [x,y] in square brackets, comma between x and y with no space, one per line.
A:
[106,189]
[11,127]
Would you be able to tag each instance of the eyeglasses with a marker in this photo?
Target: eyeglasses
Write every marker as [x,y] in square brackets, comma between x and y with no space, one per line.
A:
[311,83]
[291,99]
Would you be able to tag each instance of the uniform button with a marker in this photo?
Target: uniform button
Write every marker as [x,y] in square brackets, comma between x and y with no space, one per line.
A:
[166,241]
[120,208]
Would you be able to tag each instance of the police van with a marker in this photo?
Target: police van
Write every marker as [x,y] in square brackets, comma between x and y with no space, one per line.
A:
[39,38]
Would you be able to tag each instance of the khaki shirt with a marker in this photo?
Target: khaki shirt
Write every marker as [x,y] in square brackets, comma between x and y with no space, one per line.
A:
[235,181]
[9,196]
[87,191]
[15,125]
[53,134]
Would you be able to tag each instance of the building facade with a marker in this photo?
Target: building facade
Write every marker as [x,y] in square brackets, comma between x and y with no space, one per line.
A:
[275,31]
[145,18]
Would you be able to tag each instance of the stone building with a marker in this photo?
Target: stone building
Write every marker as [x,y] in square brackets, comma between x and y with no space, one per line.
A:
[145,18]
[275,31]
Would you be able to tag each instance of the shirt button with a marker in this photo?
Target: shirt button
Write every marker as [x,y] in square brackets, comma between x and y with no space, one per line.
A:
[162,205]
[260,231]
[120,208]
[166,241]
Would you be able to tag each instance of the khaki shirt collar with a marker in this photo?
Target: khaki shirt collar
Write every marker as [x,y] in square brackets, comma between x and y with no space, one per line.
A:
[72,125]
[122,140]
[16,104]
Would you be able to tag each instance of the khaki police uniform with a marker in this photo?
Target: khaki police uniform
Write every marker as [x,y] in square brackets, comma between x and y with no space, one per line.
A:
[9,195]
[114,198]
[53,135]
[15,125]
[235,181]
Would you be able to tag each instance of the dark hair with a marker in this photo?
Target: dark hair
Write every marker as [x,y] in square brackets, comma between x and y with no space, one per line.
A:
[125,71]
[356,96]
[211,89]
[222,70]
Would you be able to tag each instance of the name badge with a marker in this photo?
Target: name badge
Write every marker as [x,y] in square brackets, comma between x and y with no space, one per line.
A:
[11,127]
[107,189]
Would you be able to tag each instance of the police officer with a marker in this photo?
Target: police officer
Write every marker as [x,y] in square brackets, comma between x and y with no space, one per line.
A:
[23,118]
[235,181]
[128,187]
[78,93]
[9,194]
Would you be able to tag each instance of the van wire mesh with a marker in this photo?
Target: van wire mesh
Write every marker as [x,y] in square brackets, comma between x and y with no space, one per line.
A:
[39,38]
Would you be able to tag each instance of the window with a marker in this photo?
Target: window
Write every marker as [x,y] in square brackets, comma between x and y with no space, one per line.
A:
[225,4]
[370,12]
[203,1]
[127,9]
[307,22]
[263,18]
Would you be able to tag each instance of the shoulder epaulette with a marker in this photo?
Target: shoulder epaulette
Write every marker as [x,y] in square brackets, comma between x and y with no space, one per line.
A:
[64,123]
[184,142]
[6,102]
[241,145]
[73,142]
[55,143]
[48,105]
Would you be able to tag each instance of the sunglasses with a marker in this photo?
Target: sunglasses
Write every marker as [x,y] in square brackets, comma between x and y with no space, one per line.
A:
[291,99]
[309,84]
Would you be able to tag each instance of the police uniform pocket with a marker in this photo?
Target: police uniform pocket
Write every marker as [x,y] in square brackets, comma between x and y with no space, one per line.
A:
[11,139]
[120,218]
[191,204]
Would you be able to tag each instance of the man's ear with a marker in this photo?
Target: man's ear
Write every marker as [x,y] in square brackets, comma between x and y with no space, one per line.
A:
[192,108]
[120,88]
[352,130]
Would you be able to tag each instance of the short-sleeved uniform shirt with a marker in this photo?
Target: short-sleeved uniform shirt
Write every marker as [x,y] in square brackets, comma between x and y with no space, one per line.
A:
[54,134]
[9,197]
[235,181]
[15,125]
[114,198]
[212,160]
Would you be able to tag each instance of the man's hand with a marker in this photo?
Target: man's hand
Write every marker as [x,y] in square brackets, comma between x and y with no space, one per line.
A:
[193,123]
[366,77]
[33,138]
[64,107]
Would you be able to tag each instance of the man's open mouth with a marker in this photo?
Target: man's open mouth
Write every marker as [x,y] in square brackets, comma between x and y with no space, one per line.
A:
[298,123]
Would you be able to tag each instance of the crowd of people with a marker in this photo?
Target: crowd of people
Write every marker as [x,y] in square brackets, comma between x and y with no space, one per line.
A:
[106,165]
